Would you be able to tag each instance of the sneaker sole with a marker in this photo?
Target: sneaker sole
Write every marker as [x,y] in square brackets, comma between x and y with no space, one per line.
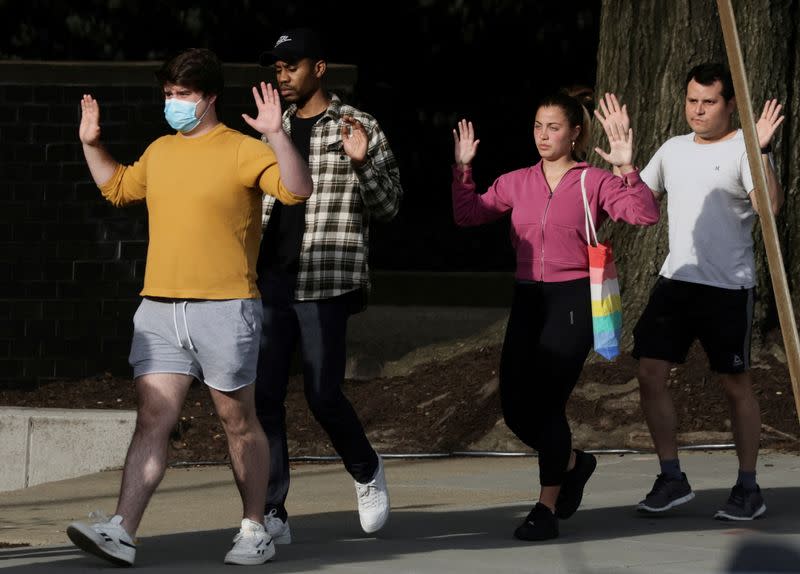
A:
[269,554]
[520,534]
[722,515]
[677,502]
[85,542]
[284,538]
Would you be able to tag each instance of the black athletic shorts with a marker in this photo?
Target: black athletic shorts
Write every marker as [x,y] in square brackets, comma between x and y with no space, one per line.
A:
[679,312]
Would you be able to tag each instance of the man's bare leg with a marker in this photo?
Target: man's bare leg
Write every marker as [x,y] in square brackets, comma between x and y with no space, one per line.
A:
[160,400]
[657,406]
[248,447]
[745,418]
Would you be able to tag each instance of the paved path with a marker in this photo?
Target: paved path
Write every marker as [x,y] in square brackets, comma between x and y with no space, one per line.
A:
[449,515]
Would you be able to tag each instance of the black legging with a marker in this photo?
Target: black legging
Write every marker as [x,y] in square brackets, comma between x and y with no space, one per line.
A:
[548,338]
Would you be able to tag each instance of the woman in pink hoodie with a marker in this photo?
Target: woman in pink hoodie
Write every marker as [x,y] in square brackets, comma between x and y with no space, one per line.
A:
[549,332]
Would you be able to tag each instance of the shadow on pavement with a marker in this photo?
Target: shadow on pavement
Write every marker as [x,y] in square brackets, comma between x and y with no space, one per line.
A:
[330,539]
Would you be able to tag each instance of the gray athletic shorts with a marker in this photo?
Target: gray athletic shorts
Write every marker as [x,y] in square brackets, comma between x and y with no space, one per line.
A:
[214,341]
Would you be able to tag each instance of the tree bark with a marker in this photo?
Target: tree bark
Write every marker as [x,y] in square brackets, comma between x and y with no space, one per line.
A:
[646,49]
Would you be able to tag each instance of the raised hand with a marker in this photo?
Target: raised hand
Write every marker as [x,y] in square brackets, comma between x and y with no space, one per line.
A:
[466,146]
[611,112]
[268,103]
[354,139]
[89,130]
[617,126]
[768,123]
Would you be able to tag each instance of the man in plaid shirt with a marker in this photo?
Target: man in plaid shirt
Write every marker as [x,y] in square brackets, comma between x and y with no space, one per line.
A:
[313,272]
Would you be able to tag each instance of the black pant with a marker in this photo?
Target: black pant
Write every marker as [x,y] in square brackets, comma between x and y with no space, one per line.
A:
[548,337]
[320,327]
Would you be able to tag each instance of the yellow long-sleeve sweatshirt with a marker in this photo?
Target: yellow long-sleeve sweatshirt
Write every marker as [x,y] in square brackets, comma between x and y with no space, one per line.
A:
[203,199]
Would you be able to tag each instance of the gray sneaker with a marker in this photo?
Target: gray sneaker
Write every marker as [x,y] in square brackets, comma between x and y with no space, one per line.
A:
[742,505]
[666,493]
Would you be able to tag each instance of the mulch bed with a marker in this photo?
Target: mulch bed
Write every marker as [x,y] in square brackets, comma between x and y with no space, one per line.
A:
[440,407]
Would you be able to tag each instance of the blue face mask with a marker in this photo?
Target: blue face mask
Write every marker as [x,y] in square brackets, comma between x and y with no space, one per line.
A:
[180,114]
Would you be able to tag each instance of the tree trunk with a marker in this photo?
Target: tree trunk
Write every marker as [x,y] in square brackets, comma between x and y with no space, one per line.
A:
[646,49]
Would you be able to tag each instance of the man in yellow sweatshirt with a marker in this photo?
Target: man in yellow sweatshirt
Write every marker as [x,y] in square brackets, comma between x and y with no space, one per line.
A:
[200,317]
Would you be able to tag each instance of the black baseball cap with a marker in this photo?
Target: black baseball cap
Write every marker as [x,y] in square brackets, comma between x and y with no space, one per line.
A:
[293,45]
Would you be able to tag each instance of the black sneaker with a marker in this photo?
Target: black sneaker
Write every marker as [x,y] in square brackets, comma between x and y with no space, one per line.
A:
[541,524]
[742,505]
[571,494]
[667,493]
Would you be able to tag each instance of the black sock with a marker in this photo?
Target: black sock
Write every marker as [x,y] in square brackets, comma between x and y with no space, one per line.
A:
[672,469]
[747,479]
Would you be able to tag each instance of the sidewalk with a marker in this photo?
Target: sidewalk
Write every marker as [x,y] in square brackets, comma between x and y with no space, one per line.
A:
[449,515]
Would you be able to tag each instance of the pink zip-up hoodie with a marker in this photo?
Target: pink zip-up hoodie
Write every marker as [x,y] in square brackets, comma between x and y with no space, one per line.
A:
[548,229]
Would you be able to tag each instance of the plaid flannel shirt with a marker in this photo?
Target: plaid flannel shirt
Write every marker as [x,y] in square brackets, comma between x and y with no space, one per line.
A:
[335,247]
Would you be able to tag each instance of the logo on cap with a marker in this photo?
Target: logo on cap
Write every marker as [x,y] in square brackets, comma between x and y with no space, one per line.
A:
[282,39]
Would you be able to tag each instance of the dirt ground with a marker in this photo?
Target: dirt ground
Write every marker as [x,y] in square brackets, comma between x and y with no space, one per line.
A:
[447,406]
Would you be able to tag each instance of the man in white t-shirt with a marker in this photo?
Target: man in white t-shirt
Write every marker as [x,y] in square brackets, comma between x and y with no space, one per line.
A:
[705,288]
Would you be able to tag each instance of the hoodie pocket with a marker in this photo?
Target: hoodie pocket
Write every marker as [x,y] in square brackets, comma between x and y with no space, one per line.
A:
[564,244]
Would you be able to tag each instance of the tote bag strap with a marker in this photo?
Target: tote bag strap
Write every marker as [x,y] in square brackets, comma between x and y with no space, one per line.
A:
[588,220]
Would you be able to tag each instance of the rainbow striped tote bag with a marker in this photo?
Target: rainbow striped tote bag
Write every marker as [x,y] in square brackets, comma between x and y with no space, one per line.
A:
[606,301]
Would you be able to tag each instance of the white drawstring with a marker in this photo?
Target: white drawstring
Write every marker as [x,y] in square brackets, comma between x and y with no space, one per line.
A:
[186,325]
[175,322]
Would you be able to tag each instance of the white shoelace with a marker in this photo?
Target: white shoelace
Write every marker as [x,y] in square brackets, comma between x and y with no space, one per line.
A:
[272,516]
[368,493]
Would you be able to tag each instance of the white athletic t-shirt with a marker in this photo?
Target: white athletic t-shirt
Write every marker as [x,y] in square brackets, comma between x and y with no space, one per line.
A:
[709,210]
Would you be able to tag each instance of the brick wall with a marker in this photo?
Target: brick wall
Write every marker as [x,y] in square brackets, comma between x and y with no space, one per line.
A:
[71,265]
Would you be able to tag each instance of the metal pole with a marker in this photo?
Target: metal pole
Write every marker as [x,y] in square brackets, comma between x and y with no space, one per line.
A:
[768,228]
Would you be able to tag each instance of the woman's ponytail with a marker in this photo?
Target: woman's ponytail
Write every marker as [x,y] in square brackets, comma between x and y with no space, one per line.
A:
[585,97]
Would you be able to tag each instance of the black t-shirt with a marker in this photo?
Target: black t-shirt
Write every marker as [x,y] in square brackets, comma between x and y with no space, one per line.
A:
[283,237]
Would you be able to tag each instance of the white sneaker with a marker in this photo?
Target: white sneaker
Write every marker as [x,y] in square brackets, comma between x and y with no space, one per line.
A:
[252,545]
[373,501]
[105,538]
[277,528]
